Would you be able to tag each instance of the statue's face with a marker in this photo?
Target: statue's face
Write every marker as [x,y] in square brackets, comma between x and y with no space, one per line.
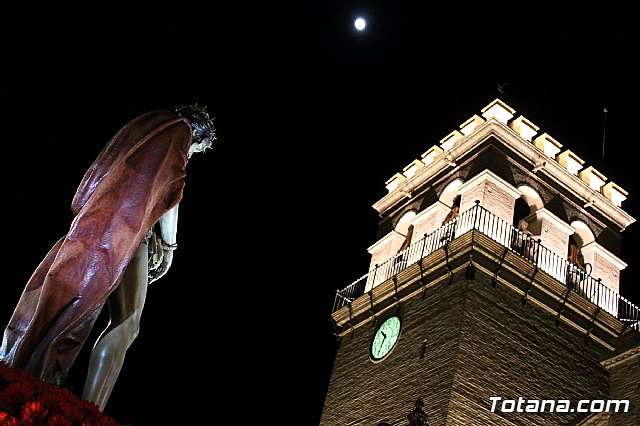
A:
[199,147]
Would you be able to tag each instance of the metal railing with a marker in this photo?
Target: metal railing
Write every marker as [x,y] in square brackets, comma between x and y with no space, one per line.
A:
[477,217]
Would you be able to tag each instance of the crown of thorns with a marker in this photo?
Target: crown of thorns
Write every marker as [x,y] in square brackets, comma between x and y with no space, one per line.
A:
[202,128]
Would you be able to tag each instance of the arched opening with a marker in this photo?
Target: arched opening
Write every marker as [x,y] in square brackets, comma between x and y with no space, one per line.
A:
[405,228]
[581,237]
[577,268]
[531,197]
[520,211]
[582,233]
[523,241]
[451,198]
[455,210]
[450,194]
[403,225]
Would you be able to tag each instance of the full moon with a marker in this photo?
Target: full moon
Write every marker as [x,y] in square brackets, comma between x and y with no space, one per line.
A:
[360,24]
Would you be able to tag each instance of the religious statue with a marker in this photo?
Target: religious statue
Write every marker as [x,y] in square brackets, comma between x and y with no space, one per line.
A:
[122,238]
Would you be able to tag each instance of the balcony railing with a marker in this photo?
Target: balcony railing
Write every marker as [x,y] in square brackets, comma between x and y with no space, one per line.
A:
[523,244]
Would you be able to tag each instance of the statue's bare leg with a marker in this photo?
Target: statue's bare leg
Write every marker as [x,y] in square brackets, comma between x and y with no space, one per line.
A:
[125,308]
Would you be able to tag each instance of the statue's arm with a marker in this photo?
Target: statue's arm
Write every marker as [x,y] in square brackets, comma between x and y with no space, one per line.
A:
[168,224]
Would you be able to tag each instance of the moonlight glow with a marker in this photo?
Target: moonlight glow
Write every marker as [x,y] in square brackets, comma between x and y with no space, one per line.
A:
[360,24]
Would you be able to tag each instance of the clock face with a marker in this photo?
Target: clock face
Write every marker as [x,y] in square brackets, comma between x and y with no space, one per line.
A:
[385,338]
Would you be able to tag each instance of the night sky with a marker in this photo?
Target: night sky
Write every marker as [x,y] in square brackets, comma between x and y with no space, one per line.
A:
[312,118]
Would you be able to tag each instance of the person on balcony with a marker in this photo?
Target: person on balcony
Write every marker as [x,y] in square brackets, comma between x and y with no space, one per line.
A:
[577,272]
[400,261]
[522,241]
[449,232]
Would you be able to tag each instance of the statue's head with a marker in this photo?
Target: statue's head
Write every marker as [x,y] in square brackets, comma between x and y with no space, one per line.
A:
[202,129]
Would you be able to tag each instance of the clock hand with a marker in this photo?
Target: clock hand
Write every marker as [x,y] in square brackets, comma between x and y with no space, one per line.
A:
[384,337]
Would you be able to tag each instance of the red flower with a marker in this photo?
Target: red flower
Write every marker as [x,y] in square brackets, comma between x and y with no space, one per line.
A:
[11,421]
[15,396]
[34,413]
[58,420]
[59,401]
[27,401]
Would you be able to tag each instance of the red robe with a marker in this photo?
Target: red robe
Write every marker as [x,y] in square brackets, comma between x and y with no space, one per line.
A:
[138,176]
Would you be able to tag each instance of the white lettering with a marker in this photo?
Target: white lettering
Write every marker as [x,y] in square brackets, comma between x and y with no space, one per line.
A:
[618,402]
[508,405]
[549,402]
[563,406]
[599,404]
[494,400]
[522,405]
[580,406]
[532,406]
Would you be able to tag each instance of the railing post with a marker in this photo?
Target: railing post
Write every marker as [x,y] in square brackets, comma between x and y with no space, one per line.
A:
[476,214]
[375,273]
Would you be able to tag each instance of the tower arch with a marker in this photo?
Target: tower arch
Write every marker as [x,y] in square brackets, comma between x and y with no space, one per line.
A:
[450,194]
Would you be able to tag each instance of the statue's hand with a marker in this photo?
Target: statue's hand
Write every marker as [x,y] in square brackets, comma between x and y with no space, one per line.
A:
[160,271]
[155,252]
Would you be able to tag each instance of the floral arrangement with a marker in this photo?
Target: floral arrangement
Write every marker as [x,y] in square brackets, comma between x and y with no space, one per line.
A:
[26,400]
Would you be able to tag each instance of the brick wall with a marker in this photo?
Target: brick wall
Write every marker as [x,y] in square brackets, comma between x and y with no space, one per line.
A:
[465,342]
[609,273]
[499,202]
[554,238]
[625,384]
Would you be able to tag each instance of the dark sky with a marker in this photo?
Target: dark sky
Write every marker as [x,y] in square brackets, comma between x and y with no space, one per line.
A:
[312,118]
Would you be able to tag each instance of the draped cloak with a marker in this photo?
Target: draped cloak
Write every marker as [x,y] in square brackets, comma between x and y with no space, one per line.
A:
[137,177]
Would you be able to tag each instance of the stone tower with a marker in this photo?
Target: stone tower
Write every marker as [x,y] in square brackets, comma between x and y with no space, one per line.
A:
[492,295]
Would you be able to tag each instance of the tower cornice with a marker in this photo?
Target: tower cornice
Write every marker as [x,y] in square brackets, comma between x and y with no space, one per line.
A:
[542,164]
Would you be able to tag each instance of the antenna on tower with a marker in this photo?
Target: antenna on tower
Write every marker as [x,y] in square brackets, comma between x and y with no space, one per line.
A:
[604,132]
[500,88]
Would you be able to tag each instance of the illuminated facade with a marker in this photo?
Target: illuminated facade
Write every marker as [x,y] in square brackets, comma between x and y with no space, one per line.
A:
[499,253]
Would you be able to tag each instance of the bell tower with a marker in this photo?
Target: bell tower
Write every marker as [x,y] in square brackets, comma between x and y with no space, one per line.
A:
[492,295]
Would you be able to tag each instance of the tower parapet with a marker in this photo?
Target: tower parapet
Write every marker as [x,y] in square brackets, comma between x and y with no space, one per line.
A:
[499,158]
